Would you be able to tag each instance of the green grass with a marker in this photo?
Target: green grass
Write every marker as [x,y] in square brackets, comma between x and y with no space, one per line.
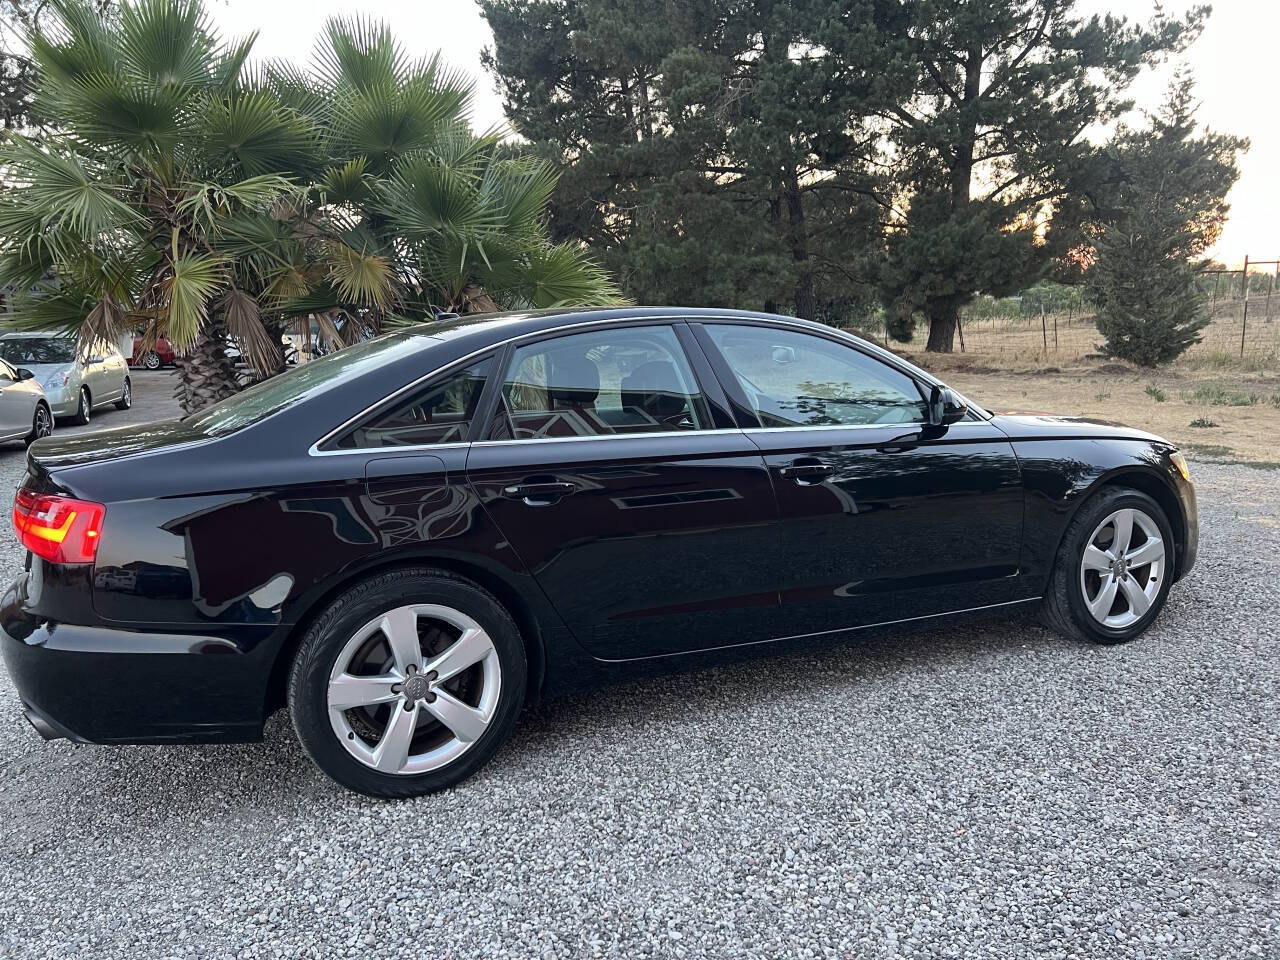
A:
[1202,423]
[1155,393]
[1216,395]
[1103,395]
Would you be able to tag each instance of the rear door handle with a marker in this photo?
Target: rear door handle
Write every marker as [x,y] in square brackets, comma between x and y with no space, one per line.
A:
[538,494]
[807,473]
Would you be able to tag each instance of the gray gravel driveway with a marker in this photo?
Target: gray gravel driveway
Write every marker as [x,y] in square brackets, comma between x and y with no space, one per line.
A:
[988,790]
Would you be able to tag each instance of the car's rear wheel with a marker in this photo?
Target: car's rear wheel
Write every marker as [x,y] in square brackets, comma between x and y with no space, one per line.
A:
[126,398]
[84,411]
[152,360]
[1113,570]
[41,424]
[407,683]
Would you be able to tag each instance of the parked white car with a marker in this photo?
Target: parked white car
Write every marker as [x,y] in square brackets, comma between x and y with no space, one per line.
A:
[24,411]
[74,384]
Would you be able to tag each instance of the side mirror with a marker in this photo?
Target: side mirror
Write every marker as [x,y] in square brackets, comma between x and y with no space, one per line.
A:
[784,354]
[25,374]
[945,407]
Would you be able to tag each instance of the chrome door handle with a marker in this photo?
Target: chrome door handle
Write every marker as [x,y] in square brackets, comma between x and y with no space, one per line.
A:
[807,473]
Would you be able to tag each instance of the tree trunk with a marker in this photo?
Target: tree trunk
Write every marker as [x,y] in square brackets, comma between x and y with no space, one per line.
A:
[806,301]
[942,319]
[942,328]
[205,372]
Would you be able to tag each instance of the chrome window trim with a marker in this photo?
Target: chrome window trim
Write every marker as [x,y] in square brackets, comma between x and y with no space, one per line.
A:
[606,436]
[854,342]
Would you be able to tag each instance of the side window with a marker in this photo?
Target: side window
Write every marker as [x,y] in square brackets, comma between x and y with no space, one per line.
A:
[439,413]
[796,379]
[616,381]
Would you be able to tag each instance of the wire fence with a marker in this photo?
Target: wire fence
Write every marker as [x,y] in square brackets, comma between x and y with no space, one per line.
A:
[1055,321]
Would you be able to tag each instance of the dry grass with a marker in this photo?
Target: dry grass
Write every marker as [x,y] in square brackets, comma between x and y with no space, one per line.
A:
[1212,405]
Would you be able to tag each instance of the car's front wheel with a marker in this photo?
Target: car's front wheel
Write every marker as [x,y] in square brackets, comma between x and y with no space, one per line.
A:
[126,396]
[152,360]
[1113,570]
[408,683]
[84,411]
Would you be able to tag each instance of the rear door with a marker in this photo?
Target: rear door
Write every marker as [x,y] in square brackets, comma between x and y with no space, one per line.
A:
[881,516]
[614,470]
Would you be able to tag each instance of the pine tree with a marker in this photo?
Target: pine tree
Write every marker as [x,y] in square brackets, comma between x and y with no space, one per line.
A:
[990,156]
[1165,208]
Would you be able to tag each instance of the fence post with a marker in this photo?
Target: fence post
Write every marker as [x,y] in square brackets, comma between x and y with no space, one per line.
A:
[1271,282]
[1244,313]
[960,330]
[1055,333]
[1044,330]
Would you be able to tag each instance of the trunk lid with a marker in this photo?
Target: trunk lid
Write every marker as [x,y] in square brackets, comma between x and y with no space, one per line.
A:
[62,451]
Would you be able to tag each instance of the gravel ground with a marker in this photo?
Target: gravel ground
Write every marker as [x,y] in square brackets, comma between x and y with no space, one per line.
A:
[987,790]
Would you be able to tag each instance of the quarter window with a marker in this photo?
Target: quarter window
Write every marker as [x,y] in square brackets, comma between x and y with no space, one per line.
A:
[616,381]
[795,379]
[441,413]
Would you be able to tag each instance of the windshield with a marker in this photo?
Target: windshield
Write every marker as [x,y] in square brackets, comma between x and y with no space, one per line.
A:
[27,351]
[303,381]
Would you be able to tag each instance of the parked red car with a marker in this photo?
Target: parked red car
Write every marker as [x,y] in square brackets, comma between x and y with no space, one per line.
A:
[161,355]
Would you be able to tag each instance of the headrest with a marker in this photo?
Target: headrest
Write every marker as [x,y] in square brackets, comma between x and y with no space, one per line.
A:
[573,382]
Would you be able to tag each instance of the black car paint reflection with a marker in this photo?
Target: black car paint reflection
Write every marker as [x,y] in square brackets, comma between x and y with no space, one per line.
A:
[217,551]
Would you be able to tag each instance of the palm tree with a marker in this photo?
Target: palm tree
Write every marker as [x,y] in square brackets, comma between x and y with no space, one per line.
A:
[436,211]
[184,193]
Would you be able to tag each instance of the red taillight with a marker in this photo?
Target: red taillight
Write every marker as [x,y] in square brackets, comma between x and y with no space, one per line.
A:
[59,529]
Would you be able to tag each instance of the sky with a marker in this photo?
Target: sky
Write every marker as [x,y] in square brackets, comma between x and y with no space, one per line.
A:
[1233,62]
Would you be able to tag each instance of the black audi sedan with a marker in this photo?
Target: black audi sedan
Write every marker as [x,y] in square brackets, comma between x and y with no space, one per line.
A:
[405,541]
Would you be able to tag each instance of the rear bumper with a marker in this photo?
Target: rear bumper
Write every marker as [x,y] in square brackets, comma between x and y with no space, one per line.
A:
[105,685]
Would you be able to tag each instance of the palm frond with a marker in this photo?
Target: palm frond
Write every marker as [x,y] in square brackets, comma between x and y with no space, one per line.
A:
[192,280]
[166,43]
[347,183]
[359,53]
[426,198]
[244,323]
[106,321]
[255,134]
[360,277]
[71,197]
[58,309]
[519,191]
[554,276]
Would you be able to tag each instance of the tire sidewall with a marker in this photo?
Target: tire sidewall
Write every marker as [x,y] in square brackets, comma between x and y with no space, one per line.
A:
[320,647]
[1091,515]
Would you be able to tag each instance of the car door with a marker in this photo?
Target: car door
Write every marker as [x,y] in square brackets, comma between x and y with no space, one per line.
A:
[613,468]
[100,376]
[16,404]
[882,517]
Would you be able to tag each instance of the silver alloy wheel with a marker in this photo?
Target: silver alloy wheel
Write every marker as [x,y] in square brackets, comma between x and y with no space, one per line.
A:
[127,396]
[151,361]
[1122,568]
[86,410]
[44,422]
[413,689]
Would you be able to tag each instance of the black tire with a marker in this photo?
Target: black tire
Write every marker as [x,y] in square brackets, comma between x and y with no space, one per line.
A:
[325,640]
[40,427]
[152,360]
[126,398]
[84,412]
[1064,609]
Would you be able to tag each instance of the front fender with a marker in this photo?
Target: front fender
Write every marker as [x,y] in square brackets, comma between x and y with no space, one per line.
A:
[1060,474]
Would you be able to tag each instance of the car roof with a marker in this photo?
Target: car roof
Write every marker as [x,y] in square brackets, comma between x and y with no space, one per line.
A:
[29,334]
[515,323]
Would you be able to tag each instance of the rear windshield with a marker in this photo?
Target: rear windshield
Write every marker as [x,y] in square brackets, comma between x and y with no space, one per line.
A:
[296,385]
[25,351]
